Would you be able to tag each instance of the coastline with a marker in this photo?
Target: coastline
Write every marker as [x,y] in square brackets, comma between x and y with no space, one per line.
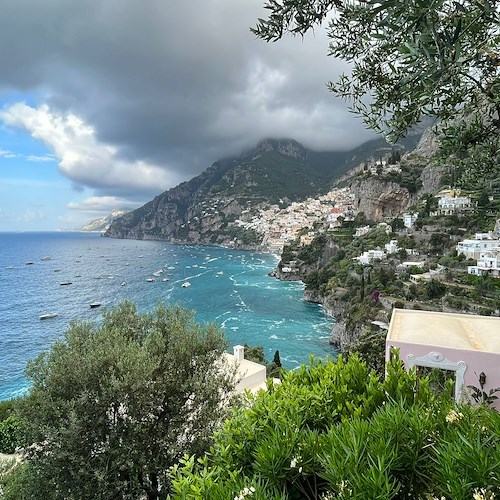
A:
[229,288]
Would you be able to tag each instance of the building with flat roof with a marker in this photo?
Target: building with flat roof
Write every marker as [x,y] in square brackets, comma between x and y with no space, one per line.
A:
[251,376]
[466,344]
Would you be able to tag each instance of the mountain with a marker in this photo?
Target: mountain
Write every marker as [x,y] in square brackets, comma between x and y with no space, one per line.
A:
[276,171]
[102,224]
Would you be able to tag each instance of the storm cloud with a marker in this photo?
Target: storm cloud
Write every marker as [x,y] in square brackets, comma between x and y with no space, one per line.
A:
[161,89]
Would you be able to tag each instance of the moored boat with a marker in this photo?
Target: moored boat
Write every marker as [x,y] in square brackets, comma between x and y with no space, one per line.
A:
[48,315]
[95,304]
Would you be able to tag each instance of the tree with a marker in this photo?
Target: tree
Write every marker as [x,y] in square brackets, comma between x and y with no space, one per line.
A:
[412,58]
[113,406]
[255,354]
[434,289]
[277,359]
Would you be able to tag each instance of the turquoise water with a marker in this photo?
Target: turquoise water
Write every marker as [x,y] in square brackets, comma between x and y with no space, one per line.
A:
[228,287]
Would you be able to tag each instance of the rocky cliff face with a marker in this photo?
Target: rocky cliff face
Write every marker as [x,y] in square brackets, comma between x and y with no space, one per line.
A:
[379,199]
[204,210]
[103,223]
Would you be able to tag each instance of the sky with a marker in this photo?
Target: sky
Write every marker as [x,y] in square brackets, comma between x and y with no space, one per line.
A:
[105,104]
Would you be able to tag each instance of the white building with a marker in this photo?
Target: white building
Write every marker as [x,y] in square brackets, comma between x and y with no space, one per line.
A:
[409,219]
[361,231]
[392,246]
[370,256]
[252,376]
[412,263]
[472,249]
[488,263]
[449,205]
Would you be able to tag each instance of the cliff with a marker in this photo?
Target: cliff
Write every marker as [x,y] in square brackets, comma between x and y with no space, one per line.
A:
[204,209]
[103,223]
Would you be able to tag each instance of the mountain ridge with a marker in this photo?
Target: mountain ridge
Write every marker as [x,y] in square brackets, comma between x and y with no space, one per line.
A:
[275,171]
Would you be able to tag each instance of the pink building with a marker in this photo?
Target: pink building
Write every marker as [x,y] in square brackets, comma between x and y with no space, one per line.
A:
[462,343]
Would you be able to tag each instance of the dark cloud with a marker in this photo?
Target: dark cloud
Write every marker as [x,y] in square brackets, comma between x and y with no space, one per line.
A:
[174,83]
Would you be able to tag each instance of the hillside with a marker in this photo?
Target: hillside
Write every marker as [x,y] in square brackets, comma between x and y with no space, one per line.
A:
[203,209]
[102,223]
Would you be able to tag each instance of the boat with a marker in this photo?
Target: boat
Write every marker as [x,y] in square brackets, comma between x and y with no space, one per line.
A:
[48,315]
[66,283]
[94,305]
[165,279]
[150,280]
[46,258]
[123,283]
[186,284]
[29,263]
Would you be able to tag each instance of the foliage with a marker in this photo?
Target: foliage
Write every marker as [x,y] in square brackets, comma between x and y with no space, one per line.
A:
[256,354]
[370,347]
[479,395]
[335,430]
[412,58]
[7,408]
[22,481]
[12,434]
[312,253]
[246,236]
[275,369]
[408,178]
[434,289]
[111,407]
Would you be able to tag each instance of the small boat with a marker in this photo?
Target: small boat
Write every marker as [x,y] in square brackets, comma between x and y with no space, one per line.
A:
[94,305]
[48,315]
[123,283]
[165,279]
[186,284]
[46,258]
[150,280]
[66,283]
[29,263]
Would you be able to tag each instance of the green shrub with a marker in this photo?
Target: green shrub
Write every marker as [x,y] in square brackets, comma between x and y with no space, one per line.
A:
[7,408]
[335,430]
[277,444]
[12,434]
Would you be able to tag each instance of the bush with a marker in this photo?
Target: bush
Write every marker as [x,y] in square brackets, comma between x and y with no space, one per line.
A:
[12,434]
[337,431]
[7,408]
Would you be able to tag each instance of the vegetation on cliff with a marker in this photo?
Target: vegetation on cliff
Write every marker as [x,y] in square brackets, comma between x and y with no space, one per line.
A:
[360,294]
[204,209]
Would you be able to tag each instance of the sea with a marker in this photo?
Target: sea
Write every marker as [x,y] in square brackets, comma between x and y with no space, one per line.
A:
[229,287]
